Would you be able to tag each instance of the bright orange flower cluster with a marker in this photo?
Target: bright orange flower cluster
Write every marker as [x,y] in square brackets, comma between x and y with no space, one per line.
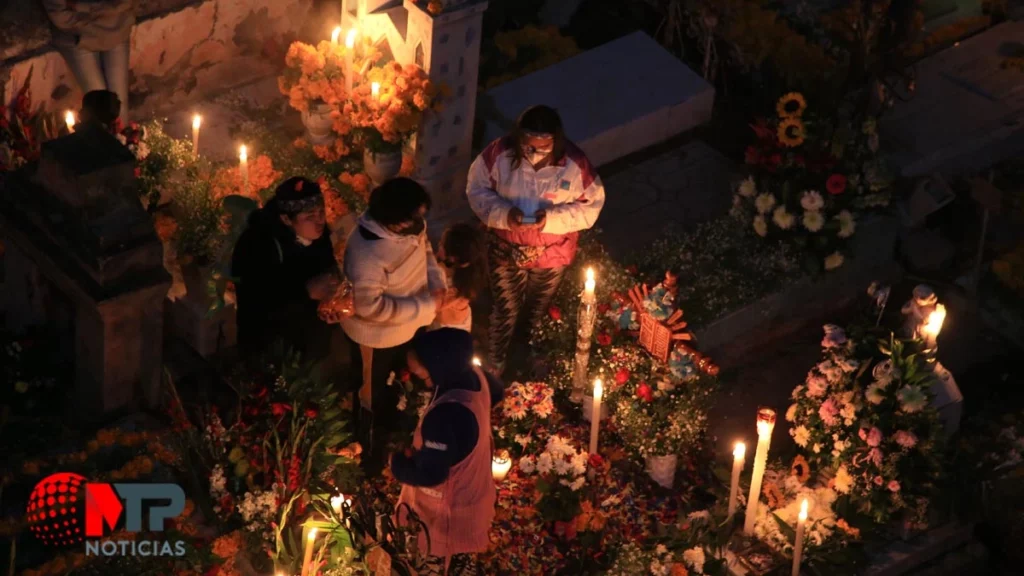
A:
[397,111]
[316,74]
[165,225]
[360,183]
[334,207]
[228,181]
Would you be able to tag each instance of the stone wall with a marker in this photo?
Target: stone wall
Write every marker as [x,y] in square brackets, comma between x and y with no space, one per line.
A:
[182,50]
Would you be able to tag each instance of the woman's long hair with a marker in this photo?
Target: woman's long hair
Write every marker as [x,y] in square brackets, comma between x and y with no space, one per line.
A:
[538,119]
[465,254]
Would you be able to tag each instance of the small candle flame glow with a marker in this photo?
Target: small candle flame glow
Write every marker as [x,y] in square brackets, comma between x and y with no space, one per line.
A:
[803,510]
[590,283]
[375,89]
[243,154]
[336,503]
[477,362]
[335,34]
[501,463]
[312,534]
[196,121]
[69,119]
[350,38]
[598,389]
[739,450]
[933,325]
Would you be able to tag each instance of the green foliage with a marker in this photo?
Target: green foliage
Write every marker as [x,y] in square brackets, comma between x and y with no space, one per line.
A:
[199,215]
[163,168]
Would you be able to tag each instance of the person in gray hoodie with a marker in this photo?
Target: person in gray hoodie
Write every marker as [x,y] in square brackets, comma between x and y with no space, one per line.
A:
[397,288]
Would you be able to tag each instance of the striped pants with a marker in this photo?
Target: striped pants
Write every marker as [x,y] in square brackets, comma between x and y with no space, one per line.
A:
[512,289]
[460,565]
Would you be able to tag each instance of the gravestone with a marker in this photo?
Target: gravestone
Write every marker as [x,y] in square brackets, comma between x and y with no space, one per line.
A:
[86,258]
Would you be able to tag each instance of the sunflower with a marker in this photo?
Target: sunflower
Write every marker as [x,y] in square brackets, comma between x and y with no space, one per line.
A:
[791,132]
[800,469]
[791,105]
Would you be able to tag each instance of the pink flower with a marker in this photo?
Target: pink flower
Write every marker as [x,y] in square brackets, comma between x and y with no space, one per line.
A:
[874,437]
[879,481]
[894,486]
[816,385]
[828,412]
[863,434]
[905,439]
[875,456]
[622,376]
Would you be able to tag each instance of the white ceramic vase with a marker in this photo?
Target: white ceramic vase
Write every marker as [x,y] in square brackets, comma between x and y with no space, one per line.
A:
[317,120]
[382,166]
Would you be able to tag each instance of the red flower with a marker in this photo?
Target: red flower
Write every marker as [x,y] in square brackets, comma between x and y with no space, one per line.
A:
[836,184]
[311,412]
[603,308]
[262,393]
[405,376]
[622,376]
[644,391]
[555,312]
[595,461]
[279,409]
[604,338]
[138,172]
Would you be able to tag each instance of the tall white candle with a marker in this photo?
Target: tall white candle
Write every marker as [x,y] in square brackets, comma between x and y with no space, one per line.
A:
[196,121]
[595,415]
[798,545]
[243,167]
[933,325]
[350,48]
[739,453]
[335,35]
[585,316]
[69,119]
[765,425]
[307,557]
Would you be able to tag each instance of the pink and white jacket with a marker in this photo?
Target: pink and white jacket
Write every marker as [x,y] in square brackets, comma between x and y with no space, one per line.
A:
[570,191]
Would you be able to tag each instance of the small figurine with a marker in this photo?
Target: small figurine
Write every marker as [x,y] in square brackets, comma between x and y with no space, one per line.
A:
[660,301]
[917,309]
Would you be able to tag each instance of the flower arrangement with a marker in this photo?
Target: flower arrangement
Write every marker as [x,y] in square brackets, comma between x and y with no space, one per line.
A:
[316,74]
[807,185]
[23,129]
[524,411]
[228,180]
[162,159]
[634,560]
[278,453]
[386,120]
[664,415]
[561,474]
[864,411]
[200,217]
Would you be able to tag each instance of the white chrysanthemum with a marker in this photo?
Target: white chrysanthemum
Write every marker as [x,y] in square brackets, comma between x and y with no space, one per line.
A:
[760,225]
[694,558]
[544,463]
[833,261]
[843,482]
[813,220]
[782,218]
[577,483]
[801,435]
[791,413]
[764,203]
[812,201]
[912,399]
[847,225]
[527,465]
[748,187]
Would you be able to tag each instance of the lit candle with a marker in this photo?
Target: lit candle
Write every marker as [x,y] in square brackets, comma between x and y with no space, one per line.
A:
[243,167]
[739,453]
[336,503]
[196,121]
[350,70]
[307,558]
[477,362]
[765,425]
[933,325]
[588,285]
[501,463]
[69,119]
[375,90]
[335,34]
[595,415]
[798,545]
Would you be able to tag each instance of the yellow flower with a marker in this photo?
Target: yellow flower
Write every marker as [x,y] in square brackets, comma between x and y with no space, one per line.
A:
[792,132]
[800,469]
[791,105]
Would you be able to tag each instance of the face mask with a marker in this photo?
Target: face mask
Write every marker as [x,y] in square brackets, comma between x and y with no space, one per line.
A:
[416,228]
[534,156]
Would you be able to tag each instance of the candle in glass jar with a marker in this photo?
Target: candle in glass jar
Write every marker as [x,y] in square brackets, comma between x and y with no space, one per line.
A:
[196,121]
[739,453]
[595,415]
[69,119]
[307,557]
[765,425]
[798,544]
[243,167]
[933,325]
[375,90]
[501,463]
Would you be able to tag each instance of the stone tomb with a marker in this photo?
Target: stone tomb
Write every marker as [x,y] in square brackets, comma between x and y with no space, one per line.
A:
[82,255]
[614,100]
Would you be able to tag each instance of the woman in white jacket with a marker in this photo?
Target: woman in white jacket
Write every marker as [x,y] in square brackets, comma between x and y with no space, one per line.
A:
[397,289]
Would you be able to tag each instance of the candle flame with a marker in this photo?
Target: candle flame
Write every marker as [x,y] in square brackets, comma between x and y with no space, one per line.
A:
[477,362]
[336,502]
[375,89]
[69,119]
[933,325]
[765,421]
[739,450]
[803,510]
[243,153]
[598,389]
[196,121]
[350,38]
[312,534]
[590,274]
[335,34]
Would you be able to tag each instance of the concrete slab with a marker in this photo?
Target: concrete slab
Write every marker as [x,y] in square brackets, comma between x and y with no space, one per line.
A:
[968,111]
[615,99]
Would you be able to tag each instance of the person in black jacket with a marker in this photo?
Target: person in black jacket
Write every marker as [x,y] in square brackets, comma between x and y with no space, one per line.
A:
[284,265]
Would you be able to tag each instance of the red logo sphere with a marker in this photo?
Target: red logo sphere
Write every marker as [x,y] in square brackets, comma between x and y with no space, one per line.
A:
[56,509]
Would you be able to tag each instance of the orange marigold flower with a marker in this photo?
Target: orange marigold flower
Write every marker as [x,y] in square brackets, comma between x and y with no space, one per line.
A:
[849,530]
[772,494]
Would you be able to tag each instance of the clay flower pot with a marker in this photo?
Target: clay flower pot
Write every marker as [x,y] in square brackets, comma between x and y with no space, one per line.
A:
[382,166]
[317,120]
